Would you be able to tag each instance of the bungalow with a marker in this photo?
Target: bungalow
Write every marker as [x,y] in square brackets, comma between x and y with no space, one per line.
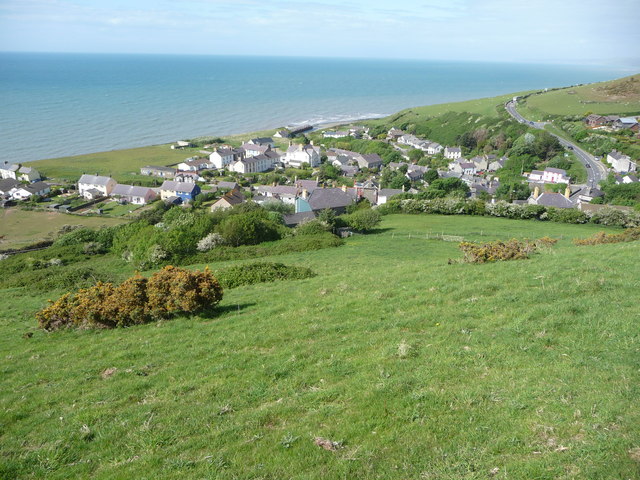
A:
[222,157]
[180,144]
[264,141]
[335,134]
[595,120]
[228,200]
[336,199]
[193,165]
[155,171]
[452,153]
[22,192]
[630,179]
[297,155]
[297,218]
[95,186]
[133,194]
[621,163]
[225,185]
[182,190]
[624,123]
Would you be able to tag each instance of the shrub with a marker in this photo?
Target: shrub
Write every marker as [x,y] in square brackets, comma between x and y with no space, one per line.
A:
[260,272]
[212,240]
[629,235]
[248,229]
[495,251]
[174,290]
[169,292]
[311,227]
[364,220]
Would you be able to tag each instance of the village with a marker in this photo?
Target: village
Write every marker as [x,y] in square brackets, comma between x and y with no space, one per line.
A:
[225,176]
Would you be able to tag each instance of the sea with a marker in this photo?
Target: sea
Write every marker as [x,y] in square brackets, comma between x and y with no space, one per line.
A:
[54,105]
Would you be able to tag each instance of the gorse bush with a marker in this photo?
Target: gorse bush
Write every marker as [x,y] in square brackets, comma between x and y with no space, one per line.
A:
[363,220]
[497,251]
[260,272]
[169,292]
[629,235]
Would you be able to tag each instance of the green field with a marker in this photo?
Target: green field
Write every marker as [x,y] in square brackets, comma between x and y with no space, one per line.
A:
[420,369]
[621,96]
[117,163]
[19,228]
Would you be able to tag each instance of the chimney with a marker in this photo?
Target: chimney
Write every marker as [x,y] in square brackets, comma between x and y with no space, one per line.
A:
[536,192]
[305,193]
[311,143]
[567,192]
[344,188]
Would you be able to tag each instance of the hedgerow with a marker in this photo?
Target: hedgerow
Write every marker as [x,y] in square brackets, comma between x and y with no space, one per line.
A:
[260,272]
[169,292]
[459,206]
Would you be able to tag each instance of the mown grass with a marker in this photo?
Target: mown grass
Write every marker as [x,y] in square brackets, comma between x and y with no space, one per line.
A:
[419,368]
[23,227]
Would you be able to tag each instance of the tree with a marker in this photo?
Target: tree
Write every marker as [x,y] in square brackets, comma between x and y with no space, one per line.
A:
[416,155]
[430,176]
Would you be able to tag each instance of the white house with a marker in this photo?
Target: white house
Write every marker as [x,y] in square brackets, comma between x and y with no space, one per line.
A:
[299,154]
[264,141]
[94,186]
[9,170]
[554,175]
[28,174]
[251,149]
[22,192]
[621,163]
[133,194]
[434,148]
[452,153]
[335,134]
[222,157]
[257,163]
[193,165]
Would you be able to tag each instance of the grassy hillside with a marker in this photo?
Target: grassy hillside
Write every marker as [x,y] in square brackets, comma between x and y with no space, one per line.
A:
[619,96]
[417,367]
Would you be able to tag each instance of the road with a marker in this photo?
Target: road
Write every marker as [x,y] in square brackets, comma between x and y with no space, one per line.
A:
[596,171]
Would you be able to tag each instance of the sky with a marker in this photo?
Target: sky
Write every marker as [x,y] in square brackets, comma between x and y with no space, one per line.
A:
[534,31]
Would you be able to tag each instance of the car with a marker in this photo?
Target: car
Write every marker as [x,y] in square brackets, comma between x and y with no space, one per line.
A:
[569,147]
[588,165]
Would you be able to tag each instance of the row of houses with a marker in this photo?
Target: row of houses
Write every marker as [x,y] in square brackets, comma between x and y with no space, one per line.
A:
[357,131]
[92,187]
[477,164]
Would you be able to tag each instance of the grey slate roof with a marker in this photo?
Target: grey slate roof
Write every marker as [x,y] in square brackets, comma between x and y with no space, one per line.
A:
[7,184]
[129,191]
[297,218]
[183,187]
[36,187]
[322,198]
[557,200]
[94,180]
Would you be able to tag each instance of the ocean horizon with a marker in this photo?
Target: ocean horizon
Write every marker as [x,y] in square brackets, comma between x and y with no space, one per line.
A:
[56,104]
